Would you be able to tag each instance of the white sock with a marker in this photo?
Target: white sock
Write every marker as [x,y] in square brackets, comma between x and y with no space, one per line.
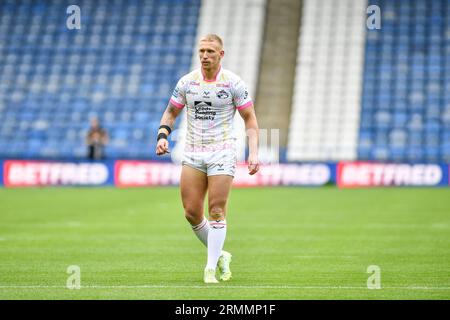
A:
[216,238]
[201,231]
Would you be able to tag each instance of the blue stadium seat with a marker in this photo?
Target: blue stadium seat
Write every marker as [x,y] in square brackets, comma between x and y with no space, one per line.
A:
[406,92]
[121,66]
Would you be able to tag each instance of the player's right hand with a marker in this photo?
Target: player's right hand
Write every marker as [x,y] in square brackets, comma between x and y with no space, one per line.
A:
[162,147]
[253,164]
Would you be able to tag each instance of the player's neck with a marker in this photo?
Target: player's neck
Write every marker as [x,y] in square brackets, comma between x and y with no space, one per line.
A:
[210,74]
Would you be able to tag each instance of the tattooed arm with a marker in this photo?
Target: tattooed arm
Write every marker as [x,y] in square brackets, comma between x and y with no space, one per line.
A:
[168,119]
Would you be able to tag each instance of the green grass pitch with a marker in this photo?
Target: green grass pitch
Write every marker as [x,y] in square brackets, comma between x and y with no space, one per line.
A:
[287,243]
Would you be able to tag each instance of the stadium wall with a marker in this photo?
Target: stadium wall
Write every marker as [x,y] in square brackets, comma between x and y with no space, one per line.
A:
[130,173]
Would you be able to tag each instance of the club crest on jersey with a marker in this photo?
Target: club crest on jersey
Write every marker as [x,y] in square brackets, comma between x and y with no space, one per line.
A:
[222,94]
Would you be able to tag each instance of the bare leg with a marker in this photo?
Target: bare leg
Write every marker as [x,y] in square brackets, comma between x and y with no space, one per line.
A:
[193,186]
[218,191]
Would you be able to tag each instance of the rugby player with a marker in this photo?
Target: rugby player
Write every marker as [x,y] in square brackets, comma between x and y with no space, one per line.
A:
[211,95]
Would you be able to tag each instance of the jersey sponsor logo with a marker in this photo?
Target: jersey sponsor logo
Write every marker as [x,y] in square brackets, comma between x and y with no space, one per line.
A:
[203,110]
[200,103]
[191,92]
[245,94]
[222,94]
[365,174]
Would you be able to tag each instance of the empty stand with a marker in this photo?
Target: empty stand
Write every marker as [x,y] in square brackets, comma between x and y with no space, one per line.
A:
[121,66]
[326,101]
[406,90]
[358,94]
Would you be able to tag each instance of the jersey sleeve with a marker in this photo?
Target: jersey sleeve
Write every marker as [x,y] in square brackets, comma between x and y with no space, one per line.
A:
[178,98]
[241,97]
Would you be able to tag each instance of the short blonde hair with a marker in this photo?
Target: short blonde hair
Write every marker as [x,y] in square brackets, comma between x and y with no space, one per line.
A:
[212,37]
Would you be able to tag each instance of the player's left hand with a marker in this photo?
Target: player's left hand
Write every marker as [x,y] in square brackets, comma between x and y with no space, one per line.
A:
[253,164]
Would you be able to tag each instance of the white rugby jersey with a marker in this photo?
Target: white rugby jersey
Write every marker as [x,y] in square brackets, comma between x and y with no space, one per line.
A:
[211,106]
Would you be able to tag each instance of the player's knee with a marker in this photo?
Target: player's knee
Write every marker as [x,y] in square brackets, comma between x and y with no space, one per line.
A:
[192,215]
[217,213]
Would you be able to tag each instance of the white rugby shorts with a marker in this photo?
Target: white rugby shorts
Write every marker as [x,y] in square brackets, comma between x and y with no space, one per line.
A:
[213,163]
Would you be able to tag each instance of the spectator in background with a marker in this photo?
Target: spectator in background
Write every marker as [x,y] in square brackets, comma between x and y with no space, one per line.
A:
[96,139]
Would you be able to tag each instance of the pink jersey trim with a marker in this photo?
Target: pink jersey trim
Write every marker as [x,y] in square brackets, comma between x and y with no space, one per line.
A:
[215,77]
[248,104]
[177,104]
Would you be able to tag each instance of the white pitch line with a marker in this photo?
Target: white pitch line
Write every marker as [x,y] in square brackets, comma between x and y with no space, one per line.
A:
[215,287]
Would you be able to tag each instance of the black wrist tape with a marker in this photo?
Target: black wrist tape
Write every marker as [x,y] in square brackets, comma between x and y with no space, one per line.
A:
[162,135]
[165,127]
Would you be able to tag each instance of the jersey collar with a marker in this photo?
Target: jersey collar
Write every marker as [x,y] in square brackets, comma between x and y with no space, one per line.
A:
[215,77]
